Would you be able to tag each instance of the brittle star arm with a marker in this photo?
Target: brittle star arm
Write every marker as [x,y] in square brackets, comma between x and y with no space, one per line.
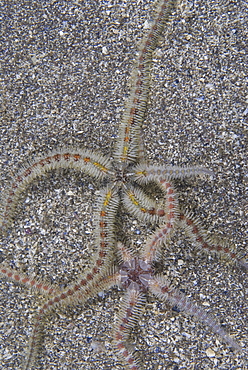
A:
[128,143]
[163,176]
[128,315]
[184,219]
[153,244]
[27,281]
[142,206]
[77,292]
[164,291]
[205,242]
[93,164]
[144,173]
[89,281]
[73,294]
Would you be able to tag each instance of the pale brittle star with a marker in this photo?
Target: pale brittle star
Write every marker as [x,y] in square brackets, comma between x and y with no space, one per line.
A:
[126,173]
[136,275]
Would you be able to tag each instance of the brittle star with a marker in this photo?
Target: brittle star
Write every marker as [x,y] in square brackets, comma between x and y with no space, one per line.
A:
[136,275]
[125,173]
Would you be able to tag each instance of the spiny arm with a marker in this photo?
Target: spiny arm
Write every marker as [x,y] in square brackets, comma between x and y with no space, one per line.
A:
[163,290]
[141,206]
[72,295]
[162,234]
[21,278]
[144,174]
[128,142]
[85,161]
[127,318]
[206,242]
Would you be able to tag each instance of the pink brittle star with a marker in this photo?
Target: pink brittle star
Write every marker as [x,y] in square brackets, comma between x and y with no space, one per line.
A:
[136,276]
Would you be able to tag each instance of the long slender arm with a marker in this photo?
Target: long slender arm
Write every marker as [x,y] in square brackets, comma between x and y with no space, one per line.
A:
[127,318]
[163,290]
[32,282]
[207,242]
[128,142]
[144,174]
[70,296]
[84,161]
[161,235]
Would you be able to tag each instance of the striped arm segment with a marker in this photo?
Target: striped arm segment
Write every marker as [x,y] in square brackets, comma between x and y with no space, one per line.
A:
[127,145]
[38,285]
[141,206]
[91,281]
[89,163]
[206,242]
[56,297]
[144,174]
[72,295]
[164,291]
[161,236]
[171,201]
[108,202]
[153,245]
[127,318]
